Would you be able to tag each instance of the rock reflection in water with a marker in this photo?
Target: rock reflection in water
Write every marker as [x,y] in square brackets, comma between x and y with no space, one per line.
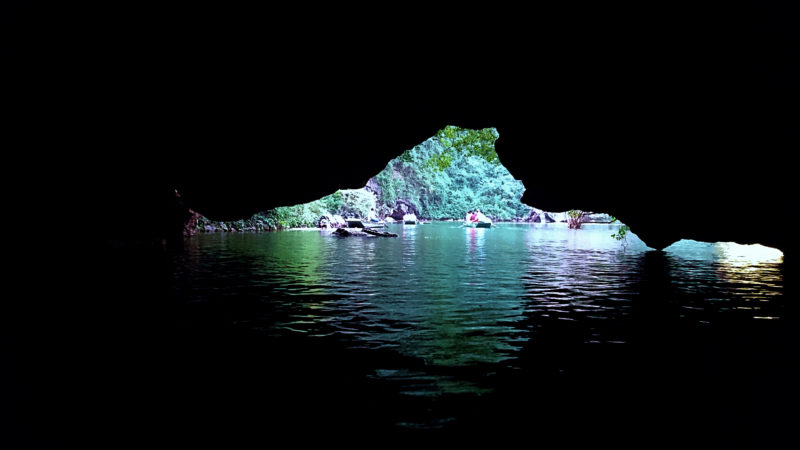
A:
[456,308]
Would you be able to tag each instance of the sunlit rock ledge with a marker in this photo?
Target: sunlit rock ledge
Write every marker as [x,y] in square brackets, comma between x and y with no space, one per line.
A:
[730,252]
[451,173]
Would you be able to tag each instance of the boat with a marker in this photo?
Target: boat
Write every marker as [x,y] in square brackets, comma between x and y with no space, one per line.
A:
[482,222]
[410,219]
[479,224]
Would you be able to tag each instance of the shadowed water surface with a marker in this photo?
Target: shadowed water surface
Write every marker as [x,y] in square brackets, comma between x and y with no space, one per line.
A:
[458,329]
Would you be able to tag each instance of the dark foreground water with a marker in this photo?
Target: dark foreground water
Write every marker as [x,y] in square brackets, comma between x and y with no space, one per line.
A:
[540,331]
[555,336]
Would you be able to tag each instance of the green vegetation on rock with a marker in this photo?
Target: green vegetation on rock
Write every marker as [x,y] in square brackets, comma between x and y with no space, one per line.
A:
[344,202]
[575,218]
[622,232]
[455,140]
[450,174]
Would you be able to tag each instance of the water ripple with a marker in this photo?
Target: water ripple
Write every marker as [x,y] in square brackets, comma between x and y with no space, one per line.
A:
[452,298]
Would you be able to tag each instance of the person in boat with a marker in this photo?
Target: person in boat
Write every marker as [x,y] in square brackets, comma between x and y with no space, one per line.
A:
[467,218]
[371,216]
[474,216]
[480,217]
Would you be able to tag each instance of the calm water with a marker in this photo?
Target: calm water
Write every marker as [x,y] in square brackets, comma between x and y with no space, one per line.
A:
[454,329]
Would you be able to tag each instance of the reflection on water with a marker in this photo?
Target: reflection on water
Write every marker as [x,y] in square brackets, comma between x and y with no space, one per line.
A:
[727,278]
[464,303]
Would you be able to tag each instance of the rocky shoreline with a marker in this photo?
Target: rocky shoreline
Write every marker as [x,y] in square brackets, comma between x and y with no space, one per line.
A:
[200,224]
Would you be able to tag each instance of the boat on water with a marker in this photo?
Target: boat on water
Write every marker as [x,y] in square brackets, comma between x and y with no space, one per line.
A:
[478,220]
[479,224]
[410,219]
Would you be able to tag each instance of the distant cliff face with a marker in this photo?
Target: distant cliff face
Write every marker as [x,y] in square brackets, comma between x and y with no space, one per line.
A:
[449,174]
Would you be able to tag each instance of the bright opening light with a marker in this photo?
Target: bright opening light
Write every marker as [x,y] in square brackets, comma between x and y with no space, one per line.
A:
[750,253]
[728,252]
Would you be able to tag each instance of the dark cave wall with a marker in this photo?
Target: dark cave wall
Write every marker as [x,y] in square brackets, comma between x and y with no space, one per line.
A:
[676,120]
[675,143]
